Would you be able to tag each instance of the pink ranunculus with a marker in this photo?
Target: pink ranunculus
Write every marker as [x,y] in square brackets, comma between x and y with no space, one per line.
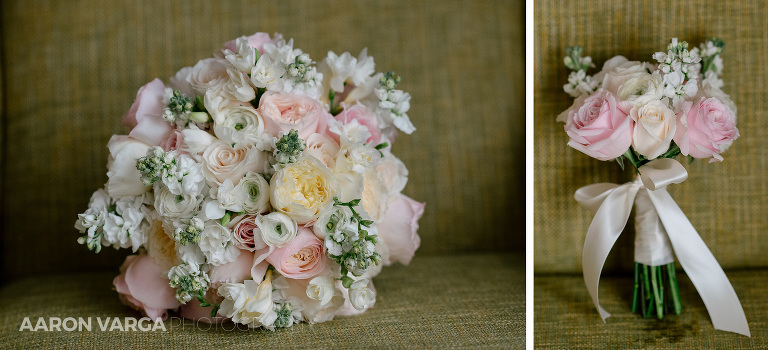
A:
[174,142]
[146,115]
[705,129]
[143,284]
[364,116]
[247,234]
[302,258]
[600,125]
[398,228]
[256,41]
[283,112]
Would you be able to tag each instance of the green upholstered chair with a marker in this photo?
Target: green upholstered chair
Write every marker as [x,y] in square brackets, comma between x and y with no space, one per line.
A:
[724,201]
[71,69]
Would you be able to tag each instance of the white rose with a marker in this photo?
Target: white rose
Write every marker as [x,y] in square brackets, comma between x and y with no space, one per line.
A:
[277,229]
[361,295]
[124,178]
[323,148]
[655,125]
[322,289]
[249,303]
[318,301]
[240,126]
[302,190]
[224,162]
[256,190]
[217,244]
[176,207]
[210,73]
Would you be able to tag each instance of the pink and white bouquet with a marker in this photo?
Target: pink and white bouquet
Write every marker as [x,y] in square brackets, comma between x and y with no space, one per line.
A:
[258,187]
[647,114]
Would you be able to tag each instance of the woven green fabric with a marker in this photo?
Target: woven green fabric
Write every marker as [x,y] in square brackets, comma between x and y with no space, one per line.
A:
[724,201]
[73,69]
[564,317]
[433,303]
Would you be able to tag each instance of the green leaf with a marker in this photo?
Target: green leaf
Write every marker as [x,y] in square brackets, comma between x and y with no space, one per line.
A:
[347,281]
[620,160]
[214,311]
[226,218]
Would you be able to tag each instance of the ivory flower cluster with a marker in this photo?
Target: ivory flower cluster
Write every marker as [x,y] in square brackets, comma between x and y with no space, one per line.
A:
[258,186]
[640,111]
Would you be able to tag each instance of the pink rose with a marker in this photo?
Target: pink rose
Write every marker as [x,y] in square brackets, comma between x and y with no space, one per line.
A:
[146,115]
[145,286]
[283,112]
[364,116]
[248,235]
[256,41]
[174,142]
[302,258]
[600,125]
[398,228]
[705,129]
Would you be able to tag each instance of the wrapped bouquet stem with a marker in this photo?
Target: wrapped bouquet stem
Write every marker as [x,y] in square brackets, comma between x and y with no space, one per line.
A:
[647,115]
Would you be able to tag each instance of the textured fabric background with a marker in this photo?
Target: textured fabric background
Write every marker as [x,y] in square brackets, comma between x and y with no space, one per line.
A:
[73,68]
[726,202]
[413,310]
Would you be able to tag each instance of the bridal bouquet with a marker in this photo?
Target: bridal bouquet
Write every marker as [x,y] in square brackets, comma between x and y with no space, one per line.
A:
[647,114]
[259,187]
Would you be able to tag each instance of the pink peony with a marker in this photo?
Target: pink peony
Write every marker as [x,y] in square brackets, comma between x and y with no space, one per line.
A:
[705,129]
[599,125]
[283,112]
[398,228]
[146,115]
[256,41]
[144,285]
[302,258]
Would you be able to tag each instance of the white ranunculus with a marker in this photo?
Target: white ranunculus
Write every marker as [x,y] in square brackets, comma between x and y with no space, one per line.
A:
[655,125]
[176,207]
[238,88]
[619,74]
[249,303]
[267,74]
[332,221]
[240,126]
[208,74]
[124,178]
[642,88]
[322,289]
[323,148]
[244,58]
[217,244]
[256,193]
[361,295]
[302,190]
[277,229]
[221,161]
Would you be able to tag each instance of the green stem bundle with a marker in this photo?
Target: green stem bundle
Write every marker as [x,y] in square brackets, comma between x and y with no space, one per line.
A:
[651,285]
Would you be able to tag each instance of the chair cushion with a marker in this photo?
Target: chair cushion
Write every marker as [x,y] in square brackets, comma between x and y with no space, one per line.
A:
[436,302]
[565,318]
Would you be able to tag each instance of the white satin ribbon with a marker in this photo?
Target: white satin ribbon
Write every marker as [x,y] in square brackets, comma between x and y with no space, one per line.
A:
[612,205]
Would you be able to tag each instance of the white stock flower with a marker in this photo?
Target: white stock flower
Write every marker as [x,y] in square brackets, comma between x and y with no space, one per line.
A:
[229,196]
[94,216]
[238,88]
[127,227]
[256,190]
[240,126]
[244,58]
[277,229]
[361,295]
[176,207]
[186,177]
[655,125]
[345,67]
[268,74]
[331,221]
[303,189]
[249,303]
[208,74]
[216,242]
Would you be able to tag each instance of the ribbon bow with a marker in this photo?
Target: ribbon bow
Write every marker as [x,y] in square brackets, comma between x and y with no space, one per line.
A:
[612,205]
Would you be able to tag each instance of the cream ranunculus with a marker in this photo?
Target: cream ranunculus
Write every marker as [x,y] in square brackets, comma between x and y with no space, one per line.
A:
[249,303]
[240,126]
[222,162]
[176,207]
[256,188]
[277,229]
[655,125]
[302,190]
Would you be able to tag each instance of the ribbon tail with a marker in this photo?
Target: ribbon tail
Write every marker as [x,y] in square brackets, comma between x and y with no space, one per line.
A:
[606,227]
[702,268]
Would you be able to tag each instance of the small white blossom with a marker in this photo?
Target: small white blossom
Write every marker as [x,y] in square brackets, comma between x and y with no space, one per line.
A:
[245,57]
[216,242]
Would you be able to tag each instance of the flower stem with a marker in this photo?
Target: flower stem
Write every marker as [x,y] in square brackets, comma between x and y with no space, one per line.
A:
[637,286]
[675,291]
